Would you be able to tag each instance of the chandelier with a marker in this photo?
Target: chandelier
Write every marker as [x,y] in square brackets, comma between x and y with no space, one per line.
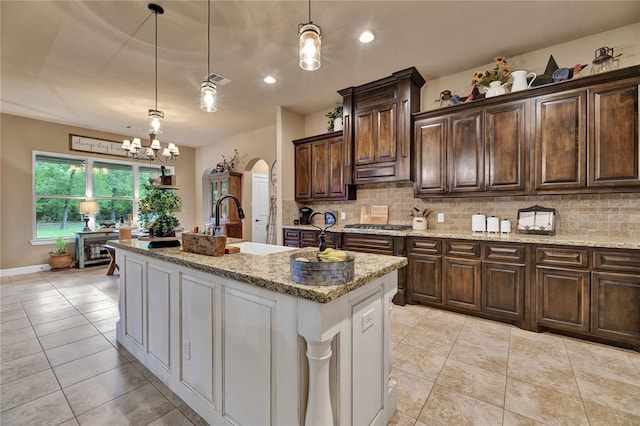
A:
[134,149]
[309,35]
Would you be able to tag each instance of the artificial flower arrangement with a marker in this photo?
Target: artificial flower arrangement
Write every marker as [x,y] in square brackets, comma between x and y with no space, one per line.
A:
[500,72]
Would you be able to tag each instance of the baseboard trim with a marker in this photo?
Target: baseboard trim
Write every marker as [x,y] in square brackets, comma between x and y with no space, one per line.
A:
[24,270]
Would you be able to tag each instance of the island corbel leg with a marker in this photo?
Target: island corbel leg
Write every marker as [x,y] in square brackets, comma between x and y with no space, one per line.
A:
[319,398]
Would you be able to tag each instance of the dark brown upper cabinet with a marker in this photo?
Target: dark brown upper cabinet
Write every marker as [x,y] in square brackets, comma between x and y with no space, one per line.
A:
[577,136]
[320,169]
[377,127]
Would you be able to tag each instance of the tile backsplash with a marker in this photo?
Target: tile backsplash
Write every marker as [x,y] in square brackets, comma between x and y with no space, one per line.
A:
[592,215]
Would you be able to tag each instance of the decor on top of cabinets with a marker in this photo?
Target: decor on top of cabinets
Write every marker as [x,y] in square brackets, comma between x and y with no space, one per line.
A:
[522,80]
[495,80]
[335,118]
[537,220]
[604,60]
[227,165]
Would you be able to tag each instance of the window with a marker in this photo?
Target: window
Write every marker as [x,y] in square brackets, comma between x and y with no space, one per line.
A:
[61,182]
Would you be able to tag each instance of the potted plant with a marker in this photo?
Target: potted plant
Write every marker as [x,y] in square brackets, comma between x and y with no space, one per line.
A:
[162,203]
[59,259]
[335,118]
[494,81]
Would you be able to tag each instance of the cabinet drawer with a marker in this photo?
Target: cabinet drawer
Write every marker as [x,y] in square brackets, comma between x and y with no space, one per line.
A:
[381,244]
[562,257]
[504,252]
[291,234]
[308,238]
[617,260]
[462,248]
[425,246]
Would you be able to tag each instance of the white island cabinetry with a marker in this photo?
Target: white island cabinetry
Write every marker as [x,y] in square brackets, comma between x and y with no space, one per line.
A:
[243,353]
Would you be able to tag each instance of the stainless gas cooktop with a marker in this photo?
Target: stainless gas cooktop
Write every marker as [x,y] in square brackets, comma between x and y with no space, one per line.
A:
[377,226]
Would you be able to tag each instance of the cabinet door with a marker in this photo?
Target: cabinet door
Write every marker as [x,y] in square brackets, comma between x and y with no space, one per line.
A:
[462,279]
[503,290]
[615,306]
[365,134]
[466,150]
[563,299]
[385,141]
[336,178]
[505,145]
[424,276]
[303,172]
[309,238]
[431,155]
[320,169]
[614,151]
[560,141]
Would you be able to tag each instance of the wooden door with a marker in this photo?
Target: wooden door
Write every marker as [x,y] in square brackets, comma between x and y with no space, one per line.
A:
[563,298]
[365,135]
[424,276]
[320,170]
[505,146]
[431,155]
[462,281]
[303,172]
[466,152]
[614,135]
[560,141]
[615,306]
[385,147]
[503,290]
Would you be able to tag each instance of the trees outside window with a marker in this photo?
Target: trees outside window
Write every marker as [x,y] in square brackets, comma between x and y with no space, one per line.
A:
[61,182]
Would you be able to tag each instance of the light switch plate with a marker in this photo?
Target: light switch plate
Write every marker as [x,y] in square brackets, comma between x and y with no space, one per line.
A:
[440,217]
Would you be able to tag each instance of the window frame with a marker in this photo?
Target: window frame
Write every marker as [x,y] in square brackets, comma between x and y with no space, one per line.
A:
[88,190]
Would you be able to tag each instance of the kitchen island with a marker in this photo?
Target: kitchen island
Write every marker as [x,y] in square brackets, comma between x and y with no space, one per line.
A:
[241,343]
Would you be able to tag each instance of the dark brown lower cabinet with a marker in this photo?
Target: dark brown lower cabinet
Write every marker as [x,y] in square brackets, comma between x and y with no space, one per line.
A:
[462,283]
[563,298]
[425,275]
[503,290]
[615,306]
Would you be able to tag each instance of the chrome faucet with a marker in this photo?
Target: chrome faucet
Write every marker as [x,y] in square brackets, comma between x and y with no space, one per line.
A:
[216,228]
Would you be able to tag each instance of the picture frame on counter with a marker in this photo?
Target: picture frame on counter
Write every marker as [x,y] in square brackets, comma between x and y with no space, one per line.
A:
[536,220]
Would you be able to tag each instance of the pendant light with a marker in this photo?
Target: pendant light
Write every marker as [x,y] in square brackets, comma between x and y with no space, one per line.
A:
[134,149]
[208,91]
[309,35]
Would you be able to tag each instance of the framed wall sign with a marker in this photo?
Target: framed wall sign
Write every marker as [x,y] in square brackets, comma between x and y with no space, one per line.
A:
[95,145]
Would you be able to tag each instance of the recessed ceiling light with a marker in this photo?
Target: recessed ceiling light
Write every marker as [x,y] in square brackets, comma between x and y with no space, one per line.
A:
[269,79]
[366,37]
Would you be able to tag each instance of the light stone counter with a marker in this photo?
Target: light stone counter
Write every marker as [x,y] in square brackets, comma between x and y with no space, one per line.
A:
[270,271]
[584,241]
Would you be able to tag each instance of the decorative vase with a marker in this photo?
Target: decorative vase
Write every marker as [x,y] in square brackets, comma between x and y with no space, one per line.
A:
[338,124]
[419,224]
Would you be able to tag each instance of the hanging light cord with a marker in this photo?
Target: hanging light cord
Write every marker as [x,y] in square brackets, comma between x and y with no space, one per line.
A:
[310,21]
[208,40]
[156,13]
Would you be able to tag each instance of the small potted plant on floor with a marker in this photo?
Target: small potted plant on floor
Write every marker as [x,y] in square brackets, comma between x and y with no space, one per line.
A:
[59,259]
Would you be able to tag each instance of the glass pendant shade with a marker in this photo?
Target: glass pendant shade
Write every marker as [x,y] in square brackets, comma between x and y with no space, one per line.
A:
[208,95]
[155,121]
[310,47]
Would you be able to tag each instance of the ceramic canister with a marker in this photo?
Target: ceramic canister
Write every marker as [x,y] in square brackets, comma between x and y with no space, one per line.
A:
[505,226]
[493,224]
[478,222]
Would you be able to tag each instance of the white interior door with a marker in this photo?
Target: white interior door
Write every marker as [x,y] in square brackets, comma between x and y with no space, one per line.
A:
[259,207]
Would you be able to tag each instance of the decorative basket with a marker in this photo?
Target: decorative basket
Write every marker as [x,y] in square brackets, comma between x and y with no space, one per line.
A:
[315,272]
[204,244]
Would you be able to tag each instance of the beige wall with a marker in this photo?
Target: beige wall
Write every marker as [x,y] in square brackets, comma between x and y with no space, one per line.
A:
[19,137]
[252,146]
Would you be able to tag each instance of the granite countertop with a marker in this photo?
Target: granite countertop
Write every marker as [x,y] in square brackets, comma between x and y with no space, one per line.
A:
[271,271]
[582,241]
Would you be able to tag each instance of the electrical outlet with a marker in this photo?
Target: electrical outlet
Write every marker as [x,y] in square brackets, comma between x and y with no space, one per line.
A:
[367,320]
[440,217]
[186,349]
[343,215]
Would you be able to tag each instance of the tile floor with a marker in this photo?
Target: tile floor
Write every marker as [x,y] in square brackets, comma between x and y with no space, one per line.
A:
[60,365]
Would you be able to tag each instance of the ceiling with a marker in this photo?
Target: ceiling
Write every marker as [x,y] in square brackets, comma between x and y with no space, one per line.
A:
[91,63]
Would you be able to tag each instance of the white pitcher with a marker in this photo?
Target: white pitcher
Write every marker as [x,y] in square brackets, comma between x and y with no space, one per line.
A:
[495,88]
[520,80]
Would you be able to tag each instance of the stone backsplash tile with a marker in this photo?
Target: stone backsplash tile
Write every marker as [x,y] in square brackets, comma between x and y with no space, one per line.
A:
[593,215]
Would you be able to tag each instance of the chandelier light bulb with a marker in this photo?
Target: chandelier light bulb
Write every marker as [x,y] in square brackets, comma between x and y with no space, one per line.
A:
[126,145]
[155,121]
[136,145]
[310,47]
[155,145]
